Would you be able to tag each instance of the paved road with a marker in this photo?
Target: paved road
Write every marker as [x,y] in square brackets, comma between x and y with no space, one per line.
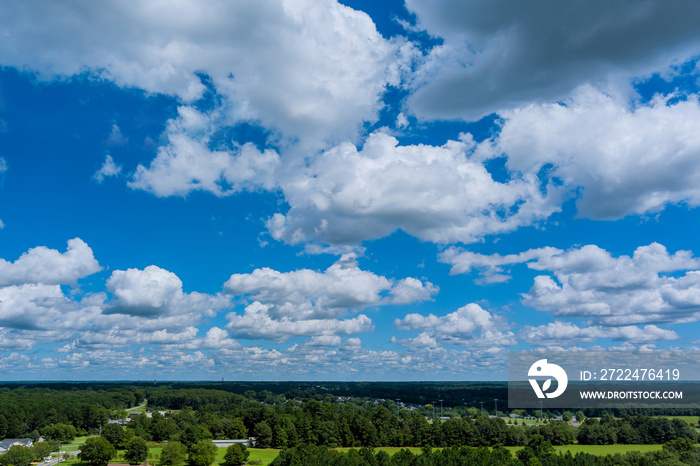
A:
[137,407]
[54,461]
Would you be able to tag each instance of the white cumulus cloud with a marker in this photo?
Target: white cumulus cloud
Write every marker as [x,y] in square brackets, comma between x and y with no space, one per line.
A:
[49,266]
[257,322]
[470,325]
[154,292]
[627,158]
[438,194]
[306,68]
[567,334]
[308,294]
[188,164]
[590,282]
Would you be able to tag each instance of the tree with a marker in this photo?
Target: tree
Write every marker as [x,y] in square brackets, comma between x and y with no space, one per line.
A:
[566,416]
[136,451]
[236,454]
[17,456]
[41,450]
[193,433]
[97,451]
[279,437]
[94,417]
[173,454]
[113,433]
[540,446]
[63,433]
[202,453]
[236,429]
[263,434]
[580,417]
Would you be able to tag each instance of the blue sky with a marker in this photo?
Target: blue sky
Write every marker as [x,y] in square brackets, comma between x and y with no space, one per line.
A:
[314,190]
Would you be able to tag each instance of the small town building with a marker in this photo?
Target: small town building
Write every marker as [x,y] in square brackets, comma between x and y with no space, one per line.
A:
[228,443]
[11,442]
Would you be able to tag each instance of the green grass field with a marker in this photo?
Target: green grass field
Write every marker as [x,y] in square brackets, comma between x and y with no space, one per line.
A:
[138,409]
[74,445]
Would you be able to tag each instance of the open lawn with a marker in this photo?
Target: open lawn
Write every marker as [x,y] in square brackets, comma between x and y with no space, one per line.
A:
[265,455]
[74,445]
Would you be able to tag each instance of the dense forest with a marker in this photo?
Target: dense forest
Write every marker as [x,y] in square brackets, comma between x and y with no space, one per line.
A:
[307,421]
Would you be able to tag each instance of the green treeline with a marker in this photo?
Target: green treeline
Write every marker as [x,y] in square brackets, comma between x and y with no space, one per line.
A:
[633,430]
[342,425]
[538,452]
[279,422]
[27,410]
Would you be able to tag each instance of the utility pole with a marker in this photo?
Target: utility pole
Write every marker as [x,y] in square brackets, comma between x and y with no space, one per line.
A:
[541,412]
[441,409]
[482,407]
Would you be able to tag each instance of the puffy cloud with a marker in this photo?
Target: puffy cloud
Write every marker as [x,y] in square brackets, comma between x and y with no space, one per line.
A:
[219,338]
[43,307]
[257,322]
[154,292]
[188,164]
[314,68]
[440,194]
[165,337]
[497,55]
[628,159]
[470,325]
[411,290]
[13,340]
[618,291]
[307,294]
[423,340]
[565,334]
[109,168]
[49,266]
[489,266]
